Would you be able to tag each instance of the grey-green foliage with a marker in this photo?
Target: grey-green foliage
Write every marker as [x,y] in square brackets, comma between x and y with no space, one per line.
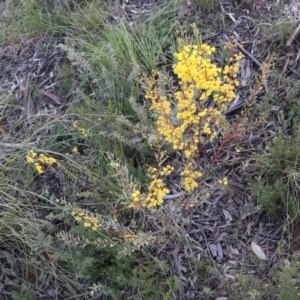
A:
[292,98]
[289,281]
[278,177]
[282,283]
[153,283]
[148,279]
[66,78]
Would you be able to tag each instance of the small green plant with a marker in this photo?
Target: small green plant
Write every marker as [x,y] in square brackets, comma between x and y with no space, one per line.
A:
[292,100]
[282,283]
[138,281]
[279,31]
[278,183]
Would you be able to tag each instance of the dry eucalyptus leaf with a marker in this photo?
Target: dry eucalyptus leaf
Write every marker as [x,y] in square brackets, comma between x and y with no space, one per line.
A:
[227,216]
[249,227]
[219,251]
[258,251]
[234,250]
[229,276]
[250,211]
[213,249]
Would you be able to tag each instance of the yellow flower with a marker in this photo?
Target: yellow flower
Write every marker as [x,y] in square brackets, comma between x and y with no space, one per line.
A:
[136,196]
[74,150]
[167,170]
[38,168]
[46,159]
[30,159]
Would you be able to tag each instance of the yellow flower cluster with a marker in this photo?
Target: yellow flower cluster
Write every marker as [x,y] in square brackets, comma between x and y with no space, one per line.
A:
[200,79]
[38,160]
[167,170]
[183,118]
[156,192]
[190,177]
[136,196]
[88,221]
[81,130]
[156,189]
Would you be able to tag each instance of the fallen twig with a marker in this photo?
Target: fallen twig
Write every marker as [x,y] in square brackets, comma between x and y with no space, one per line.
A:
[174,196]
[290,40]
[53,97]
[25,97]
[248,53]
[19,145]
